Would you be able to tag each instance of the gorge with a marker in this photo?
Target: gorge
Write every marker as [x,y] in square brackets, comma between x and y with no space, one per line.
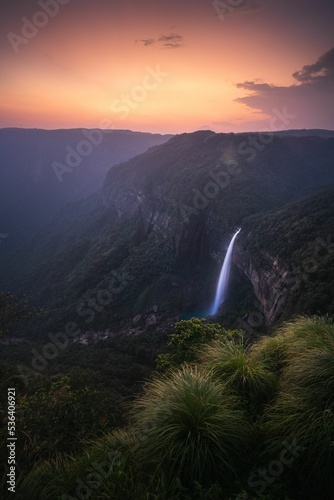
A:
[134,226]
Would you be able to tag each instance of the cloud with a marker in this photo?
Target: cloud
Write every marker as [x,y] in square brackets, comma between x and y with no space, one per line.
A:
[148,41]
[227,7]
[310,98]
[171,41]
[323,69]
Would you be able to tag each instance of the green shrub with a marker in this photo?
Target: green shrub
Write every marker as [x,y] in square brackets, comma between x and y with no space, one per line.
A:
[106,470]
[192,429]
[304,410]
[229,360]
[188,339]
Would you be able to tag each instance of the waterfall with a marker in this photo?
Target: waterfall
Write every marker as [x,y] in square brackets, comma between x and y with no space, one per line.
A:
[223,278]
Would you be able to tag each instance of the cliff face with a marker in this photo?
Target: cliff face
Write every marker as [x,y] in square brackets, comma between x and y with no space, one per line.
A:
[268,282]
[288,256]
[132,201]
[186,194]
[270,275]
[268,279]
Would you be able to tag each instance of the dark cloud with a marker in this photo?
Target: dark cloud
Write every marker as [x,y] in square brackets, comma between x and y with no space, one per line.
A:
[171,41]
[310,98]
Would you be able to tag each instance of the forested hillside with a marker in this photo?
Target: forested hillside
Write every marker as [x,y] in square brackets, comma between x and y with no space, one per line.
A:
[156,233]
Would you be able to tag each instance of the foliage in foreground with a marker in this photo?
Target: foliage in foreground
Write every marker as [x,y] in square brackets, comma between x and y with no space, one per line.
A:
[304,410]
[192,427]
[251,379]
[247,422]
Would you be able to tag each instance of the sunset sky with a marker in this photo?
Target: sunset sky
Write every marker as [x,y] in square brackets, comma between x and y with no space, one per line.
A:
[167,66]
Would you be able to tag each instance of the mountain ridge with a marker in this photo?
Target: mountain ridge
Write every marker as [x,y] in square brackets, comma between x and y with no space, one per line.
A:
[42,170]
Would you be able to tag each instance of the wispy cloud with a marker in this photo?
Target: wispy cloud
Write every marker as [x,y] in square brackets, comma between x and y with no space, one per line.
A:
[310,98]
[226,8]
[147,41]
[171,41]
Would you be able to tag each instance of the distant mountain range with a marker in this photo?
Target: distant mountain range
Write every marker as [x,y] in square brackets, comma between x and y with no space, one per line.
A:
[307,133]
[42,170]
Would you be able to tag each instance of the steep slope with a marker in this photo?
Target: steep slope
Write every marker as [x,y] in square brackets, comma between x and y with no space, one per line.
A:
[288,255]
[155,234]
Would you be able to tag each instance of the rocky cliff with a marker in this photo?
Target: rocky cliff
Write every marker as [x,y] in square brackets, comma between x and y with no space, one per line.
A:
[268,282]
[288,257]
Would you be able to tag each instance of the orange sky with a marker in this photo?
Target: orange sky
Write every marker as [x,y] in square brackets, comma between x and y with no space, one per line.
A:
[96,63]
